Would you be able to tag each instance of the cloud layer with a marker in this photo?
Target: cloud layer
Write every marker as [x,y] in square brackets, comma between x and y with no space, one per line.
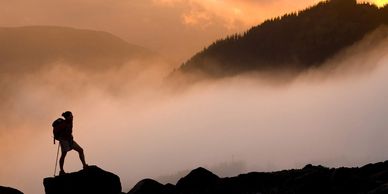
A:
[133,124]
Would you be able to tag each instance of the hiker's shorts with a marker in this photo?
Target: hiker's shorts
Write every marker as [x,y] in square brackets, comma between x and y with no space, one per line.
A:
[68,145]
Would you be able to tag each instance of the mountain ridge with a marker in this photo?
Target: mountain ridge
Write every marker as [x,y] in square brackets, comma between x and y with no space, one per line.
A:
[32,46]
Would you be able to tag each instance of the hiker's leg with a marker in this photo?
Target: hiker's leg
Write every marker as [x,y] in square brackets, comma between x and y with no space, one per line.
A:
[65,147]
[62,160]
[81,154]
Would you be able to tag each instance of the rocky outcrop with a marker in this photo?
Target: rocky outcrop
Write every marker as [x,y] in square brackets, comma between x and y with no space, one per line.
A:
[372,178]
[197,181]
[90,180]
[8,190]
[149,186]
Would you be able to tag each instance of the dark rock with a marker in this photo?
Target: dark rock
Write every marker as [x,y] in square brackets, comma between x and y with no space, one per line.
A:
[149,186]
[8,190]
[371,179]
[383,189]
[197,180]
[90,180]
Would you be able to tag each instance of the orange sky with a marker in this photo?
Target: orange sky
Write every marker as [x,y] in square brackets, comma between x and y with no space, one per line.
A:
[175,28]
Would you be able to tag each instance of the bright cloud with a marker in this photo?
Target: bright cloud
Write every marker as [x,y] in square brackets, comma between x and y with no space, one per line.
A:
[234,13]
[380,3]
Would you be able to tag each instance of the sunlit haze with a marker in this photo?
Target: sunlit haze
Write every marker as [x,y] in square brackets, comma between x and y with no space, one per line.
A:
[380,2]
[135,122]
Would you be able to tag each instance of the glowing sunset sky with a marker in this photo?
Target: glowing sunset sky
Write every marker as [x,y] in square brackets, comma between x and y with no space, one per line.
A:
[162,25]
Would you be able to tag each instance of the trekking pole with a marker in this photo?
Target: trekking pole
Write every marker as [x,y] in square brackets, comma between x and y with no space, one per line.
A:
[56,161]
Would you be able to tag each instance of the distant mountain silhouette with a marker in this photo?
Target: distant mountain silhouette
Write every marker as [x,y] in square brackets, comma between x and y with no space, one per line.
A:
[292,43]
[8,190]
[371,179]
[31,46]
[92,180]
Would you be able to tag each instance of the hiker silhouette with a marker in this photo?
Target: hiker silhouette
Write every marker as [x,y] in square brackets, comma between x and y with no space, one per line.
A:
[63,129]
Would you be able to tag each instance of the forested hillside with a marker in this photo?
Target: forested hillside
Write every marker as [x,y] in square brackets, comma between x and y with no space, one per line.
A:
[293,42]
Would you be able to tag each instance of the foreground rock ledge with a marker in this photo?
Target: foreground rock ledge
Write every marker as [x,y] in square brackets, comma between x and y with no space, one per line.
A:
[90,180]
[369,179]
[8,190]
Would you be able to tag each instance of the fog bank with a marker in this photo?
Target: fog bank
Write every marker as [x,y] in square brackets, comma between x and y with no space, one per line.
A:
[131,123]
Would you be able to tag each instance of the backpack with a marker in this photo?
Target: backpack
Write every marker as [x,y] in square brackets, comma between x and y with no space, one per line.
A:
[58,126]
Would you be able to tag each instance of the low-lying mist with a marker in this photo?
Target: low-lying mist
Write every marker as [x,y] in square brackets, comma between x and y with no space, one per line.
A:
[130,122]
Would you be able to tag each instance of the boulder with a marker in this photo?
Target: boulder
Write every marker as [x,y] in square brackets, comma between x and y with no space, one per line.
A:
[149,186]
[88,181]
[198,180]
[8,190]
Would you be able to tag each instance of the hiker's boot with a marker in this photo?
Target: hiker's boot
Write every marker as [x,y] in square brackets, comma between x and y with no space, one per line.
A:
[62,172]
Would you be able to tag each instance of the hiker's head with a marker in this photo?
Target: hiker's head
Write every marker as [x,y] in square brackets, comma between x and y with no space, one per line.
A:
[67,115]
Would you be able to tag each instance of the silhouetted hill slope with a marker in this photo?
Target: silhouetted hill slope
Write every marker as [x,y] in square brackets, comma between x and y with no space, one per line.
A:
[33,46]
[291,43]
[92,180]
[372,179]
[8,190]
